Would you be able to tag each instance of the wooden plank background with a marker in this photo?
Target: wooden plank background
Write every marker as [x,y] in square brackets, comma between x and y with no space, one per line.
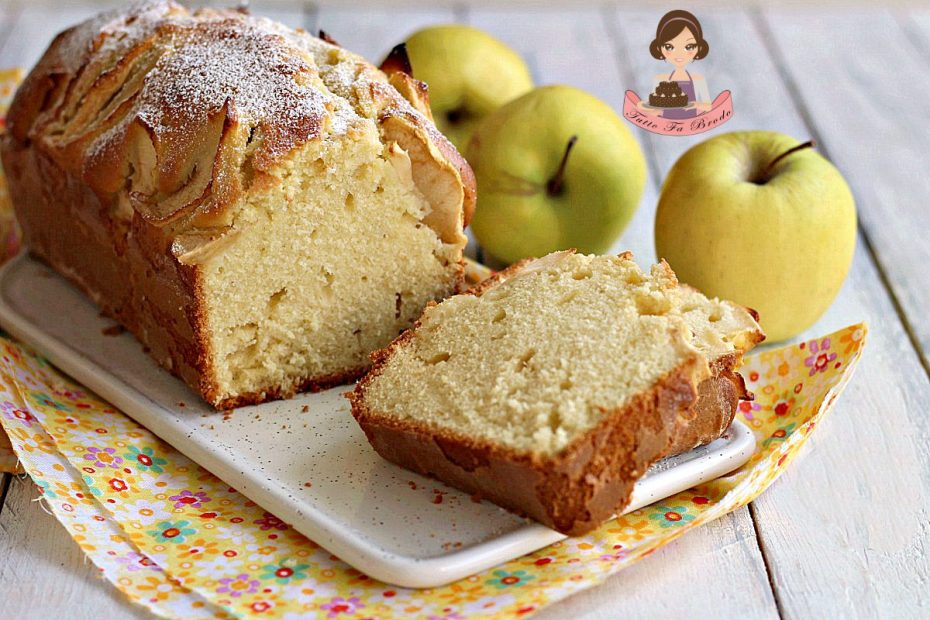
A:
[844,532]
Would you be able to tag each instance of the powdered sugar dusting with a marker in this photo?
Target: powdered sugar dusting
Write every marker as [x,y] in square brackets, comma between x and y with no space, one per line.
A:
[210,60]
[110,33]
[341,77]
[262,80]
[181,109]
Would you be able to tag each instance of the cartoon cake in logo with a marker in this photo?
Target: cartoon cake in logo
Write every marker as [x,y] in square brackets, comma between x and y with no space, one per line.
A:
[668,95]
[680,102]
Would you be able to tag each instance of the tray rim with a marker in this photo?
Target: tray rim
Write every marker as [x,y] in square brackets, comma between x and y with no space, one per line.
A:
[386,566]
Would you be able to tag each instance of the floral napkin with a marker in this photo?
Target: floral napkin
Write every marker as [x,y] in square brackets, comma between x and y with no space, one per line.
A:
[177,540]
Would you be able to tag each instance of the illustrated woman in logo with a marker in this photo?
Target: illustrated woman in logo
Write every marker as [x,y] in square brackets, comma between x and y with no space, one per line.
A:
[679,41]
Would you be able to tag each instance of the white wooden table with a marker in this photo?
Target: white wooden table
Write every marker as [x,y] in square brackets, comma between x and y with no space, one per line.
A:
[845,533]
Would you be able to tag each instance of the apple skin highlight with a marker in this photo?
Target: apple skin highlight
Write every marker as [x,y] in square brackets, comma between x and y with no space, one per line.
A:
[518,151]
[470,74]
[777,239]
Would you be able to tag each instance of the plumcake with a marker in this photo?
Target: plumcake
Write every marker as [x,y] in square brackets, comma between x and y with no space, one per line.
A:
[260,207]
[551,387]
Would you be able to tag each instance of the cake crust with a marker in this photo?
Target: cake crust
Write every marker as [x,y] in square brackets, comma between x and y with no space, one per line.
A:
[572,493]
[591,479]
[67,106]
[91,119]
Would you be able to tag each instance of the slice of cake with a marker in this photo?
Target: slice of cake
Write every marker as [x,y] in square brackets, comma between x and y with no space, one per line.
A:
[260,207]
[551,387]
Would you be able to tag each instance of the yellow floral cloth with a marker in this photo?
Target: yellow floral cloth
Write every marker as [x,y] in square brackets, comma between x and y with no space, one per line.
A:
[9,80]
[177,540]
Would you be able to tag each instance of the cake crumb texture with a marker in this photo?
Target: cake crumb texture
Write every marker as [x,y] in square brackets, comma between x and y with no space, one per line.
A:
[551,387]
[537,360]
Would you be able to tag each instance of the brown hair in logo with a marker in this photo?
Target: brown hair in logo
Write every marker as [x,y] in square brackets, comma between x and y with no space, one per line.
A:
[673,24]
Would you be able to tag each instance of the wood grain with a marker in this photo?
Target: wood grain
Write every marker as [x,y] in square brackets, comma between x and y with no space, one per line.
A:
[873,518]
[718,562]
[875,131]
[7,17]
[833,546]
[43,573]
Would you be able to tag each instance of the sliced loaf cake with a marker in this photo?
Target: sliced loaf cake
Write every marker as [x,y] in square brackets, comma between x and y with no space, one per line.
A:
[261,208]
[551,387]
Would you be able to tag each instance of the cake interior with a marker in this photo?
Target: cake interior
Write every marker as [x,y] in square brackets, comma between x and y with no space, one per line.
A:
[330,262]
[504,368]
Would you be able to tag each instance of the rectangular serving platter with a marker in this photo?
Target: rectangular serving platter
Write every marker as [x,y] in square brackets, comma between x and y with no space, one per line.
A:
[377,517]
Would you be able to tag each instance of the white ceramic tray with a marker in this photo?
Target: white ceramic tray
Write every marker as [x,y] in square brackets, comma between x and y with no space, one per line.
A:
[379,518]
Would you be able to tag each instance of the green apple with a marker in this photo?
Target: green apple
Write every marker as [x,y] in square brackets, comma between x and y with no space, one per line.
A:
[759,219]
[556,168]
[470,74]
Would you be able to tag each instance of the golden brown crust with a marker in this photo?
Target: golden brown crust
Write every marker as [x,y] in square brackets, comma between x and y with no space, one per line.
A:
[162,305]
[131,138]
[413,132]
[149,102]
[324,36]
[397,61]
[573,492]
[400,75]
[125,267]
[710,415]
[585,484]
[396,66]
[466,174]
[305,384]
[593,477]
[155,87]
[499,277]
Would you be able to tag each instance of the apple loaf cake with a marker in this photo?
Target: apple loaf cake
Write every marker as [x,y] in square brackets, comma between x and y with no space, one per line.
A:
[553,386]
[260,207]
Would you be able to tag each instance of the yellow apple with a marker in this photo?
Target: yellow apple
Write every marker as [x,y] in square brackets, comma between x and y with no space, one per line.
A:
[757,218]
[556,169]
[470,74]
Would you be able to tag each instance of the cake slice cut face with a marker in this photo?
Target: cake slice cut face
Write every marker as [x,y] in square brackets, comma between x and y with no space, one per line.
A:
[553,386]
[332,261]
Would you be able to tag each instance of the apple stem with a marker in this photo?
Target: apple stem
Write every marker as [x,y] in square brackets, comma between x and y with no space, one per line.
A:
[774,162]
[554,187]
